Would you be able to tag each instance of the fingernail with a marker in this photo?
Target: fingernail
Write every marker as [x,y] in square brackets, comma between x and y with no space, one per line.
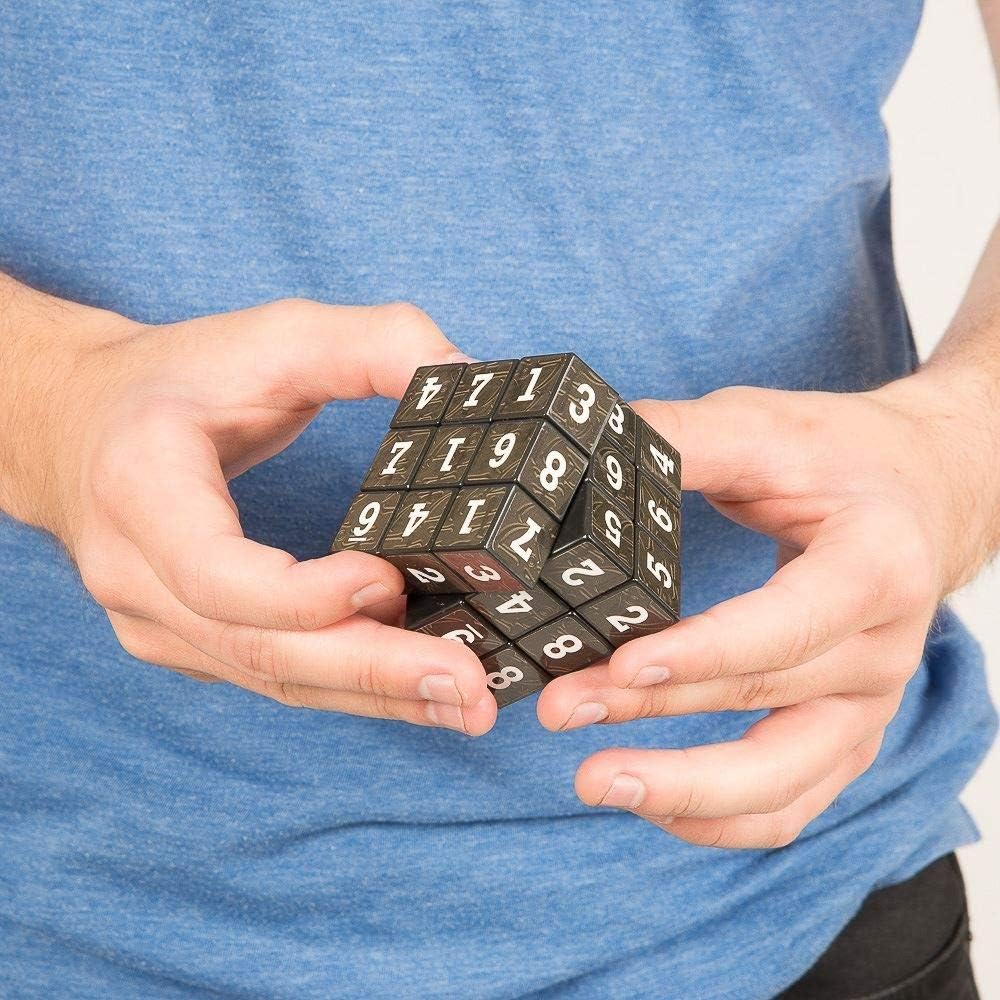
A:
[374,593]
[626,792]
[441,688]
[446,715]
[585,715]
[649,676]
[458,358]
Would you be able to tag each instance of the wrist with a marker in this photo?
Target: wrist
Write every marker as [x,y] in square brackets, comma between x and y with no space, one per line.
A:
[953,412]
[50,378]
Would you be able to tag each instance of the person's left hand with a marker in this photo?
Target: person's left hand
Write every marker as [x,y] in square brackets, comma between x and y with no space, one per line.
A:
[872,498]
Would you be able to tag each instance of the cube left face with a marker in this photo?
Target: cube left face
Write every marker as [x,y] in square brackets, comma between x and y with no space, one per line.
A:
[366,521]
[408,540]
[398,458]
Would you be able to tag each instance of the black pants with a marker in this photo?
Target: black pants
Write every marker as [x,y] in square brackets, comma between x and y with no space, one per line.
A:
[908,942]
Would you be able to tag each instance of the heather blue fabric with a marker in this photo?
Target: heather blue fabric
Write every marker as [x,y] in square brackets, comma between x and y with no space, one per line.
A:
[688,194]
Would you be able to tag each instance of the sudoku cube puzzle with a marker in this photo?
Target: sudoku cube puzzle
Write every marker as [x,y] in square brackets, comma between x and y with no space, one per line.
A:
[533,514]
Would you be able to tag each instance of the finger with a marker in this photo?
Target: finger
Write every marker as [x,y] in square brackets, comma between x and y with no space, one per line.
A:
[359,654]
[838,587]
[151,643]
[772,764]
[719,462]
[778,829]
[872,663]
[473,720]
[327,352]
[168,496]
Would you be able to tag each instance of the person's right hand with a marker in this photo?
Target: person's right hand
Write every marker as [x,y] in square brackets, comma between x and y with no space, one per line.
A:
[134,484]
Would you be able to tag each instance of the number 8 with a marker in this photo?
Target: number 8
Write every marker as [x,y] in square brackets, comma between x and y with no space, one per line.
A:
[563,646]
[501,679]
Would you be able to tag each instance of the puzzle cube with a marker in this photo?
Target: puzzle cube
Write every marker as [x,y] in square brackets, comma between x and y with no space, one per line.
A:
[533,514]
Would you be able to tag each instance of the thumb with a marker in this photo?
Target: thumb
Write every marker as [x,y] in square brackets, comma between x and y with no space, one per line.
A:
[730,440]
[323,352]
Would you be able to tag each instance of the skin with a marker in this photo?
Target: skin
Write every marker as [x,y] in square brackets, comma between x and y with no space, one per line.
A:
[119,438]
[881,503]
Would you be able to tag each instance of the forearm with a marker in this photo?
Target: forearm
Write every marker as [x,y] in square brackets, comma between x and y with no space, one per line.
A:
[956,393]
[47,374]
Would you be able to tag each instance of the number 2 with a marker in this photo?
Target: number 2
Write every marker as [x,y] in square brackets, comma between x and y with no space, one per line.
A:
[624,622]
[573,576]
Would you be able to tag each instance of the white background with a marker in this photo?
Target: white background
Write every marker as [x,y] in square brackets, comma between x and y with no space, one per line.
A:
[944,127]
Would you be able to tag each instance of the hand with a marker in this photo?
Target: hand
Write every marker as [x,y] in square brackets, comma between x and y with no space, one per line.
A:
[136,489]
[875,506]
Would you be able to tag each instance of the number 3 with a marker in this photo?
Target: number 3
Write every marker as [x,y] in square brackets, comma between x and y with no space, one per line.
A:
[579,410]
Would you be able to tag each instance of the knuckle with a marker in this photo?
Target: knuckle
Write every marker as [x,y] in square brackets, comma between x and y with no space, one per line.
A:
[136,643]
[751,690]
[192,580]
[369,668]
[866,755]
[293,308]
[104,586]
[897,669]
[306,617]
[712,653]
[289,695]
[148,643]
[782,788]
[254,648]
[407,317]
[776,834]
[385,707]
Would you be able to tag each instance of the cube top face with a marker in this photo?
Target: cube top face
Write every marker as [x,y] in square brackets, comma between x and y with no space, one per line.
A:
[561,387]
[427,396]
[659,459]
[511,675]
[397,458]
[366,521]
[474,517]
[564,645]
[515,614]
[478,391]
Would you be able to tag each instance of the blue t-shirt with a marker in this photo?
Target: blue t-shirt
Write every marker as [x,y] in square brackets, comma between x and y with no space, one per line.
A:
[689,195]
